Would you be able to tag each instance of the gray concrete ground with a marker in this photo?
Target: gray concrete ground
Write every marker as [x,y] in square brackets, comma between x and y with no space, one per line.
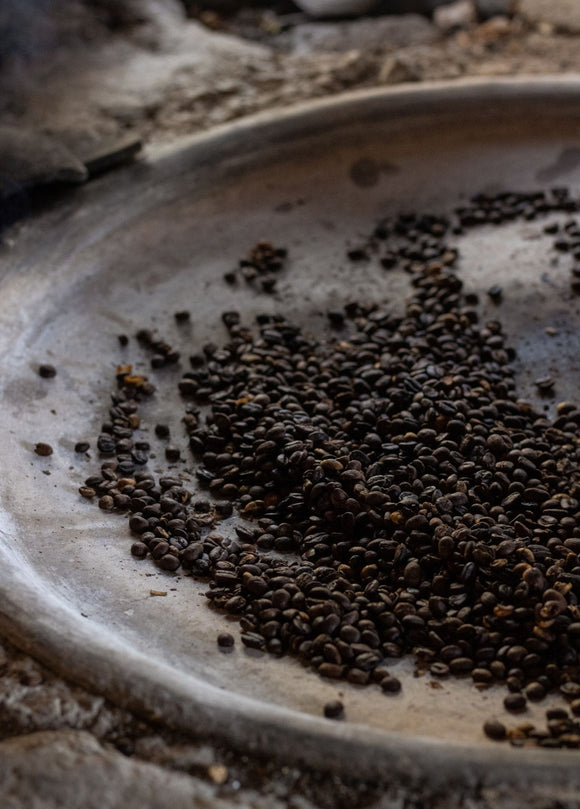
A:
[156,78]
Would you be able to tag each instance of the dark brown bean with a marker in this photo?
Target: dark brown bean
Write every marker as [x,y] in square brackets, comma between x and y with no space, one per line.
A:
[334,710]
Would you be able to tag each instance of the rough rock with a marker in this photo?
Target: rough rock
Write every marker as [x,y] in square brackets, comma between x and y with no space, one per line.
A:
[397,71]
[365,34]
[460,14]
[563,15]
[71,769]
[493,30]
[494,8]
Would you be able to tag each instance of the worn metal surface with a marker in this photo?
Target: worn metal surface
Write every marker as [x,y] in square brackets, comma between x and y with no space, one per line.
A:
[131,249]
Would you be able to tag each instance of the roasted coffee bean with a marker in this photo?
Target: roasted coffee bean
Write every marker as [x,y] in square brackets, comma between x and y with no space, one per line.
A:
[575,707]
[557,713]
[494,729]
[162,431]
[46,371]
[334,710]
[535,691]
[139,550]
[168,562]
[106,444]
[138,524]
[570,691]
[253,641]
[82,446]
[106,503]
[515,703]
[391,685]
[495,293]
[43,449]
[225,640]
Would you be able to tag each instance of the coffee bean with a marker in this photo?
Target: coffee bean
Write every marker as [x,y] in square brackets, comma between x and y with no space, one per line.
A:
[391,685]
[494,729]
[138,524]
[43,449]
[544,383]
[535,691]
[575,707]
[168,562]
[570,690]
[87,491]
[47,371]
[139,550]
[515,703]
[334,710]
[82,447]
[225,640]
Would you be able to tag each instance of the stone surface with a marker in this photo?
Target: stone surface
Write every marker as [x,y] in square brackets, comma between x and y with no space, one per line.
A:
[71,769]
[335,8]
[396,71]
[564,15]
[363,34]
[460,14]
[409,6]
[494,8]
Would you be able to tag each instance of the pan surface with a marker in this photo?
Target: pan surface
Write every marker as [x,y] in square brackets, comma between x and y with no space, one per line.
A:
[132,248]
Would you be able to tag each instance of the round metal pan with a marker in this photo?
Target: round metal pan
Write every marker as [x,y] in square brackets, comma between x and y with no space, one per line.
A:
[129,250]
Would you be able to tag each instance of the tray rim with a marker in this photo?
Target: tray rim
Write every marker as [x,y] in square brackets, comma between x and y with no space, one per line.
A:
[154,690]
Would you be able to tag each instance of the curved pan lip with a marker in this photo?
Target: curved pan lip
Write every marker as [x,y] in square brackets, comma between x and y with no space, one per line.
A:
[40,623]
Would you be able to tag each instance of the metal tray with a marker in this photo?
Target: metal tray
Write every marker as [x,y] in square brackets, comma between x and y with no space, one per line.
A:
[137,245]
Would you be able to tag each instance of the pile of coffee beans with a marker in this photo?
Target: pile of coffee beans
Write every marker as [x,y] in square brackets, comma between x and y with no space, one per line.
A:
[397,497]
[562,730]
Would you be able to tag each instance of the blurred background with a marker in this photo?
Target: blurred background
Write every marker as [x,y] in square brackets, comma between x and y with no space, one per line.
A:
[85,82]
